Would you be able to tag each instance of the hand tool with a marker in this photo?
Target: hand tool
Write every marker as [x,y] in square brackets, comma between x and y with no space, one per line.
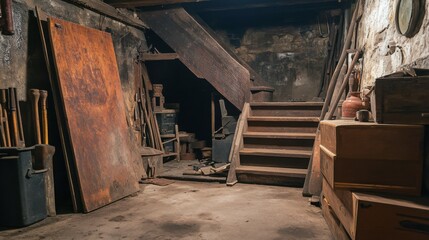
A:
[3,102]
[13,118]
[18,111]
[2,132]
[43,97]
[34,96]
[6,20]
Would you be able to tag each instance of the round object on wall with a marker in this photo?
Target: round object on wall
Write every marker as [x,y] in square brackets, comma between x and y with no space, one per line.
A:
[409,16]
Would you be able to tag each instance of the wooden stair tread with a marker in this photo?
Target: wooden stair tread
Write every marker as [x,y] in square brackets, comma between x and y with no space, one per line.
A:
[276,152]
[272,171]
[282,119]
[169,154]
[280,135]
[286,104]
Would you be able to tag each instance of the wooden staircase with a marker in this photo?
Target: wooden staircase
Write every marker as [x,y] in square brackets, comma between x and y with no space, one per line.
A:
[274,142]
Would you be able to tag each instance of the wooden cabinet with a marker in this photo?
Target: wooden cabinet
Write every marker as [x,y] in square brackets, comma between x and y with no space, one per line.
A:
[372,157]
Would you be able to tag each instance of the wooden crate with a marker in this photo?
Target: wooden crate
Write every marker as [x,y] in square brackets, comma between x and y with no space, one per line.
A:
[372,157]
[378,217]
[340,208]
[365,217]
[402,99]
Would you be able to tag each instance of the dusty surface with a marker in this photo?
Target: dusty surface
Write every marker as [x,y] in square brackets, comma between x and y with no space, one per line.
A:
[189,210]
[377,30]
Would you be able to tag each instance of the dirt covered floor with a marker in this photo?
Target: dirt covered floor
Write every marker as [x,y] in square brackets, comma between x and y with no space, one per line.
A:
[191,210]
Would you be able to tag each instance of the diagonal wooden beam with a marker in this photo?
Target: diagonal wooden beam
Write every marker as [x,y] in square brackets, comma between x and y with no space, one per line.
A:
[109,11]
[201,53]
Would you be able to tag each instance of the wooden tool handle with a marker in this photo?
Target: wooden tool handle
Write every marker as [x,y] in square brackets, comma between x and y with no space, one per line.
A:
[43,97]
[13,117]
[35,95]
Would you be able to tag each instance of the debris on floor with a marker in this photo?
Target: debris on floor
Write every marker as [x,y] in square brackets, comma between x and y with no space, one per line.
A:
[157,181]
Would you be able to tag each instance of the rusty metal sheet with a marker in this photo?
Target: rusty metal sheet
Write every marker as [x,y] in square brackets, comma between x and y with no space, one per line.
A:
[89,85]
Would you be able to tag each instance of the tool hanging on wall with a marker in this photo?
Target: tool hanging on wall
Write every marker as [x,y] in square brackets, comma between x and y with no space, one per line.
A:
[11,131]
[34,97]
[38,99]
[43,107]
[4,117]
[6,20]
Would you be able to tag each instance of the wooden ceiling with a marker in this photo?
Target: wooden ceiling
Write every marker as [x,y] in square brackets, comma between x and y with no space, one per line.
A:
[216,5]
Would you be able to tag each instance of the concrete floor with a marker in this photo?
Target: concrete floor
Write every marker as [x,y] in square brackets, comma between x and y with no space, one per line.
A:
[191,210]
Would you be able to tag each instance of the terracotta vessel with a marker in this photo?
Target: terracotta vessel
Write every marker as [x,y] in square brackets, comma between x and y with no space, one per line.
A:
[353,104]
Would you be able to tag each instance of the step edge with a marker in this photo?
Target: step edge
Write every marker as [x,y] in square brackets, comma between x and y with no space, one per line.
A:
[271,170]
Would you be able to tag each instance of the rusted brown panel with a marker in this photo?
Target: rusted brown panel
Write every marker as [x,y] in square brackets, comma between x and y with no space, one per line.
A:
[201,53]
[91,94]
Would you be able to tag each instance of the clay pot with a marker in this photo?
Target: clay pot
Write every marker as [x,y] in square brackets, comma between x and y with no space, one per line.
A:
[353,104]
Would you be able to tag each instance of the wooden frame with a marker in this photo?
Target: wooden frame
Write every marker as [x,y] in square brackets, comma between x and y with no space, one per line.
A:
[237,145]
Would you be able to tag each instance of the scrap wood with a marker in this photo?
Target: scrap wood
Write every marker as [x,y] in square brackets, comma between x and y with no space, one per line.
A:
[157,181]
[313,180]
[208,170]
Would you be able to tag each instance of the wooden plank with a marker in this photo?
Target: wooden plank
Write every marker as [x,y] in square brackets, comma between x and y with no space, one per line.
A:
[237,145]
[342,208]
[337,229]
[257,5]
[273,171]
[107,10]
[201,53]
[283,119]
[276,152]
[286,104]
[159,56]
[89,84]
[279,135]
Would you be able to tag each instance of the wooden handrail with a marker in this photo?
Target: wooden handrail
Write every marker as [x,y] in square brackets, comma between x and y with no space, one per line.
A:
[237,145]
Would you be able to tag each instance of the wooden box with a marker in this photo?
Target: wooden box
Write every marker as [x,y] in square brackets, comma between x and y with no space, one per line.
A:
[365,217]
[372,157]
[377,217]
[340,205]
[402,99]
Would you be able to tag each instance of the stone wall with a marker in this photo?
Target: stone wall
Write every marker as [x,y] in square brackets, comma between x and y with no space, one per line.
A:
[290,58]
[377,29]
[21,57]
[22,65]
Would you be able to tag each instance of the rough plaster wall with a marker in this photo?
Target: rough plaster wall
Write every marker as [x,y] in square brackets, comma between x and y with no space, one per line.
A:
[377,29]
[290,58]
[21,59]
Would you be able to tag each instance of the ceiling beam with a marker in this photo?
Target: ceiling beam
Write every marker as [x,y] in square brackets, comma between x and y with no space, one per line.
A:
[109,11]
[242,4]
[147,3]
[216,5]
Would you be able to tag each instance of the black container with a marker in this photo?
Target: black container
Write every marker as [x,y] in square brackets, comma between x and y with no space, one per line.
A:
[167,119]
[22,188]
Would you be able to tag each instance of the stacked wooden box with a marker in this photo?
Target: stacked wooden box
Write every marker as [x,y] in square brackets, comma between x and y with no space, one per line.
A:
[373,180]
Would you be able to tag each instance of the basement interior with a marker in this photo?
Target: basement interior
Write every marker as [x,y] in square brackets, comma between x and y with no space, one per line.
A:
[214,119]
